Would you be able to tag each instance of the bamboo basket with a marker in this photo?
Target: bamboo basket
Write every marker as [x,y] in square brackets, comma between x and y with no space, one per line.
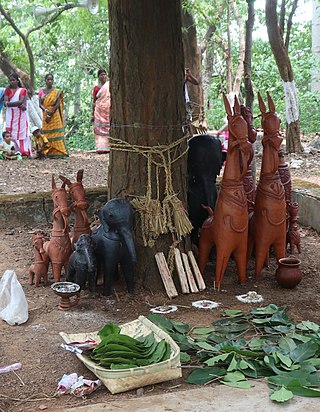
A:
[126,379]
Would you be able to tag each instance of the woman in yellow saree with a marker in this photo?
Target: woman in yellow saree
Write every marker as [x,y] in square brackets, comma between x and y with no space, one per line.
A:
[51,103]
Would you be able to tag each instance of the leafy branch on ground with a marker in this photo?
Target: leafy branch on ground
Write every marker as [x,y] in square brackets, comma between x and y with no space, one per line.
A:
[261,343]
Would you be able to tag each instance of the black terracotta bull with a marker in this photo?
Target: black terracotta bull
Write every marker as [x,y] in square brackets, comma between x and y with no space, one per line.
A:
[82,267]
[204,165]
[114,243]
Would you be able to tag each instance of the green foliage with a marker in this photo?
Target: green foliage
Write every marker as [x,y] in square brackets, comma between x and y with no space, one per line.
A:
[73,48]
[264,342]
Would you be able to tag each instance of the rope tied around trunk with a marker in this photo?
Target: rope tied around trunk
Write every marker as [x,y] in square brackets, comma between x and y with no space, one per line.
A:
[159,217]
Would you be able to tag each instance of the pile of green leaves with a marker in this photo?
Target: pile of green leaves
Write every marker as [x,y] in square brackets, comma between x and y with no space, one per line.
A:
[264,342]
[119,351]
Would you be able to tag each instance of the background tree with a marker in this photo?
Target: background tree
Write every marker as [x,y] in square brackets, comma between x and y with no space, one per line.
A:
[279,46]
[249,96]
[147,113]
[192,57]
[73,46]
[316,43]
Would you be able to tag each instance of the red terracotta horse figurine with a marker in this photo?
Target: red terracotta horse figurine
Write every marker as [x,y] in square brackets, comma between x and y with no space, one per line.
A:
[79,206]
[39,268]
[59,247]
[228,230]
[270,205]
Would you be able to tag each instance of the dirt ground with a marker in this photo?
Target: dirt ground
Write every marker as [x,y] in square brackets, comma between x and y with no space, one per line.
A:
[36,343]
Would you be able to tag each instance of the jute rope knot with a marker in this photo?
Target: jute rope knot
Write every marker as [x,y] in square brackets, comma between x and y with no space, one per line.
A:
[159,217]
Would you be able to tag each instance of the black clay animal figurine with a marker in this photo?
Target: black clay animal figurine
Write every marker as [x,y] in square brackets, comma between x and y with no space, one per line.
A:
[114,243]
[82,267]
[204,165]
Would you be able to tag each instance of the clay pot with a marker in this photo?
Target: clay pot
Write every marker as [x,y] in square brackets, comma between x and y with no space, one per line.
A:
[288,274]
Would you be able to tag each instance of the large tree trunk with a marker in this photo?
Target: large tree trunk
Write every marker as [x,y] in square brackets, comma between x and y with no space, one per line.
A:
[147,110]
[192,57]
[293,143]
[315,85]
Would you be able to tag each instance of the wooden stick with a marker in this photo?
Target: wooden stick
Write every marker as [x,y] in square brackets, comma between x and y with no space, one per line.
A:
[165,275]
[196,271]
[192,283]
[181,273]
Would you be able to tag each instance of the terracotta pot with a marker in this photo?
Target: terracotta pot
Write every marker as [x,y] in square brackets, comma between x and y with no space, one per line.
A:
[288,274]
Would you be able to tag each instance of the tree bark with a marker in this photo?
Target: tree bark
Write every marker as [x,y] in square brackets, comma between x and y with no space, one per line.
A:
[192,58]
[239,69]
[147,110]
[248,56]
[293,143]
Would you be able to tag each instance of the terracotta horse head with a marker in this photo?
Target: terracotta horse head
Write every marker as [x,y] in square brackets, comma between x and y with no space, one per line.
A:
[79,206]
[271,137]
[77,193]
[248,117]
[240,151]
[61,210]
[38,239]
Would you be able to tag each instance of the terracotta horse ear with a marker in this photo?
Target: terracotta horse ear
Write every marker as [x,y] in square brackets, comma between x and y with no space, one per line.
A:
[80,175]
[227,105]
[236,107]
[262,106]
[65,180]
[272,108]
[54,185]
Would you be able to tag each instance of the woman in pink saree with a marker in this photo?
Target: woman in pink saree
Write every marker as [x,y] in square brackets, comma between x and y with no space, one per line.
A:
[17,119]
[101,113]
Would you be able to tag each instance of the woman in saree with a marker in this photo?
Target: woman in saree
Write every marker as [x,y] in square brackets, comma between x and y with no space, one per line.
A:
[101,113]
[51,103]
[17,119]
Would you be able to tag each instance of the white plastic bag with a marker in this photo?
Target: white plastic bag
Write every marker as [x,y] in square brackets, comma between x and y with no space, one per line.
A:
[13,303]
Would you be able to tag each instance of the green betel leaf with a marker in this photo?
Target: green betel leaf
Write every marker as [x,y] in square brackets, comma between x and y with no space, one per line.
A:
[163,323]
[202,376]
[281,395]
[206,346]
[213,337]
[260,321]
[232,312]
[109,329]
[216,359]
[256,344]
[299,337]
[240,385]
[236,327]
[180,327]
[304,391]
[243,364]
[202,331]
[280,317]
[184,357]
[233,365]
[234,377]
[287,344]
[307,325]
[284,359]
[312,361]
[304,351]
[266,310]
